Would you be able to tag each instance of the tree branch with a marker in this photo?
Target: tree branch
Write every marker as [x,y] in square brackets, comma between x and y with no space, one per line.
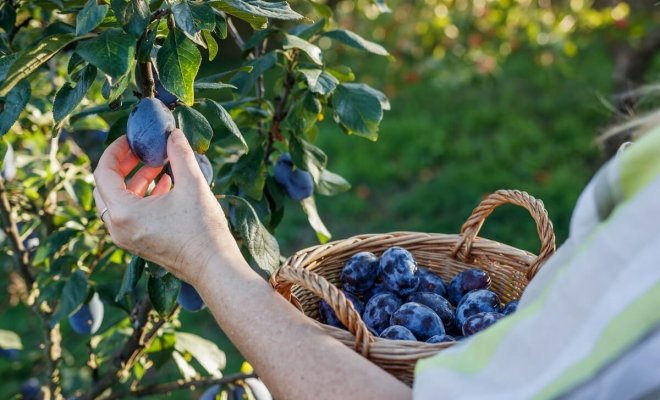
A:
[233,32]
[281,110]
[21,255]
[180,385]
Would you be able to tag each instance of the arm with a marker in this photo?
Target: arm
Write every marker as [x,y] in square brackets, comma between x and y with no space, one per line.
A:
[184,229]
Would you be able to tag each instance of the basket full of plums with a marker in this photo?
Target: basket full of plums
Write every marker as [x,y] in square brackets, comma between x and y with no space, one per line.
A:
[402,296]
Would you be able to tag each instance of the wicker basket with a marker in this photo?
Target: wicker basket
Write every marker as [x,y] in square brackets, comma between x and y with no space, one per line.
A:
[312,274]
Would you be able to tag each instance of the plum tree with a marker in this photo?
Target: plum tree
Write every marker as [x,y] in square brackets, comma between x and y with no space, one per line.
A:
[297,183]
[188,298]
[88,318]
[149,125]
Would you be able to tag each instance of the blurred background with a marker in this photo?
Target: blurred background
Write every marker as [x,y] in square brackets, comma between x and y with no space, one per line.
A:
[485,95]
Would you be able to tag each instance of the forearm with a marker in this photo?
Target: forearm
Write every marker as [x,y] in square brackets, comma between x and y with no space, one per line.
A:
[291,354]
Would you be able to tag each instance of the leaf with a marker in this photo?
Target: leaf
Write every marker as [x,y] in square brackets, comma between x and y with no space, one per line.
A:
[256,12]
[90,17]
[131,277]
[6,62]
[186,370]
[303,114]
[381,6]
[113,89]
[4,148]
[133,15]
[178,62]
[308,156]
[307,31]
[203,16]
[260,243]
[245,81]
[227,121]
[195,126]
[325,84]
[116,130]
[68,97]
[309,206]
[144,51]
[32,59]
[354,40]
[342,73]
[204,351]
[294,42]
[111,51]
[357,110]
[13,105]
[249,173]
[213,85]
[163,292]
[184,20]
[211,44]
[10,340]
[311,76]
[73,295]
[221,26]
[382,98]
[331,184]
[7,16]
[76,63]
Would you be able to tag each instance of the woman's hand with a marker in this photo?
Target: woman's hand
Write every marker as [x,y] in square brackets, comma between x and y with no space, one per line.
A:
[181,228]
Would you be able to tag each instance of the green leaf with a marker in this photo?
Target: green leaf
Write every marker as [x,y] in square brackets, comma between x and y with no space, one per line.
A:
[249,172]
[303,114]
[73,295]
[325,83]
[256,12]
[13,105]
[213,86]
[7,16]
[260,243]
[113,89]
[245,81]
[184,20]
[294,42]
[32,59]
[381,6]
[178,62]
[227,121]
[309,206]
[90,17]
[133,15]
[357,109]
[204,351]
[203,16]
[163,292]
[68,97]
[131,277]
[307,31]
[342,73]
[10,340]
[116,130]
[331,184]
[144,51]
[4,147]
[221,26]
[195,126]
[6,62]
[309,157]
[354,40]
[185,369]
[111,51]
[211,44]
[76,63]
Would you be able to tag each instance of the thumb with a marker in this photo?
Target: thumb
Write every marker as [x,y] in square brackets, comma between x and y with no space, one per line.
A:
[182,159]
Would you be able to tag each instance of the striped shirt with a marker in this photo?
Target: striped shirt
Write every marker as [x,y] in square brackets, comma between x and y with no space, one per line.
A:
[588,324]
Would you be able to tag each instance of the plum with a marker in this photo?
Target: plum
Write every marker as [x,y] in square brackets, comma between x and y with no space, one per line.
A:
[359,272]
[398,332]
[510,307]
[149,125]
[419,319]
[87,320]
[10,354]
[466,281]
[479,322]
[9,164]
[398,270]
[377,288]
[188,298]
[430,282]
[475,302]
[297,183]
[440,339]
[31,390]
[258,389]
[379,310]
[210,393]
[328,315]
[438,304]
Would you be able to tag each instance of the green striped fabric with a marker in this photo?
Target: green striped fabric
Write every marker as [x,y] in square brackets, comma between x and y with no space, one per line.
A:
[589,310]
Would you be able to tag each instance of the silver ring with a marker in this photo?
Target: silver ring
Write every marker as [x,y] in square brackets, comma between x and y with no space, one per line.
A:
[105,210]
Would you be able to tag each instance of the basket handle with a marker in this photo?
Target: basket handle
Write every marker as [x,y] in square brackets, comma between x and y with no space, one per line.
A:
[471,227]
[288,275]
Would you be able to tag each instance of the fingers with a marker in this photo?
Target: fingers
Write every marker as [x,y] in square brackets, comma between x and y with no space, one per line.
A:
[100,206]
[163,186]
[140,182]
[115,163]
[182,159]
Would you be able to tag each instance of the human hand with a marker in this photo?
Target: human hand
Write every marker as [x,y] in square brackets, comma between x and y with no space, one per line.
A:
[180,227]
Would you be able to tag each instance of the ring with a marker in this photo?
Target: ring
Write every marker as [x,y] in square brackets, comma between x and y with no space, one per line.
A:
[105,210]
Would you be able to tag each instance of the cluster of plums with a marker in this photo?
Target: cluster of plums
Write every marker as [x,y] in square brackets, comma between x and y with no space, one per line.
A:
[399,300]
[297,183]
